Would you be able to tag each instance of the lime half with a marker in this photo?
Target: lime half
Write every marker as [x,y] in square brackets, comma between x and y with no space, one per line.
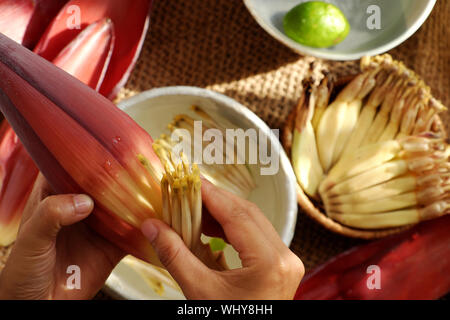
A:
[316,24]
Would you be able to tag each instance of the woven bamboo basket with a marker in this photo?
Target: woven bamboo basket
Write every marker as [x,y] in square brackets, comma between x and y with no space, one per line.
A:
[314,208]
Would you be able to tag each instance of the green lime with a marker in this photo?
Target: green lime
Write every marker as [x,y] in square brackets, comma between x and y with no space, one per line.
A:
[316,24]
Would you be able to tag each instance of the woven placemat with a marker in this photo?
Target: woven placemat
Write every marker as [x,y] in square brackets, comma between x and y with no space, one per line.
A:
[216,44]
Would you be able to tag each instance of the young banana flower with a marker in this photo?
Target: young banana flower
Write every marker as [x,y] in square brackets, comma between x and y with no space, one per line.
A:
[393,219]
[394,97]
[340,118]
[402,186]
[323,97]
[82,142]
[157,278]
[374,155]
[375,178]
[393,125]
[182,207]
[304,154]
[17,176]
[25,21]
[86,58]
[353,125]
[365,117]
[130,20]
[379,143]
[427,115]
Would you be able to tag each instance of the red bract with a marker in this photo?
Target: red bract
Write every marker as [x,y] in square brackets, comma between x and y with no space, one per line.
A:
[17,176]
[82,142]
[130,19]
[25,20]
[413,265]
[88,56]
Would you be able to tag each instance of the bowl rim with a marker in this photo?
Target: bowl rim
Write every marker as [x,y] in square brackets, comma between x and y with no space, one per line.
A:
[288,229]
[305,50]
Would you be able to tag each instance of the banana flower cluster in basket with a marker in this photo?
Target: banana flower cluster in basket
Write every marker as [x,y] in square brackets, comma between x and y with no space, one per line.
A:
[373,154]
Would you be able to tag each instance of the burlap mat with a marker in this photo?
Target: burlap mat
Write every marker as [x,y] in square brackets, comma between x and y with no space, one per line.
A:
[216,44]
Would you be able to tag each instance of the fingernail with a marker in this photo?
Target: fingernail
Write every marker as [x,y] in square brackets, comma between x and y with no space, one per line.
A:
[83,204]
[149,230]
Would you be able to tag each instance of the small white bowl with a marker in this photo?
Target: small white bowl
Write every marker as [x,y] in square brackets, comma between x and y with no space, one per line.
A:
[275,195]
[400,19]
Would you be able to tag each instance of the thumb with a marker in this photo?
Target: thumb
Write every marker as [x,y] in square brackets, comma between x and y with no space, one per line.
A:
[181,263]
[51,214]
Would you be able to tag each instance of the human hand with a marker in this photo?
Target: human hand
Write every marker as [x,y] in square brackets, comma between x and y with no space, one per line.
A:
[269,269]
[51,238]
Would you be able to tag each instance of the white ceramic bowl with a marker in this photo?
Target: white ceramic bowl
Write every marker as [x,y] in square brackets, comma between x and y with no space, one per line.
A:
[399,20]
[275,195]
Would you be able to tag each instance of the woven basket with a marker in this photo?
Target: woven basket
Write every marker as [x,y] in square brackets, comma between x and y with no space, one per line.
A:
[314,208]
